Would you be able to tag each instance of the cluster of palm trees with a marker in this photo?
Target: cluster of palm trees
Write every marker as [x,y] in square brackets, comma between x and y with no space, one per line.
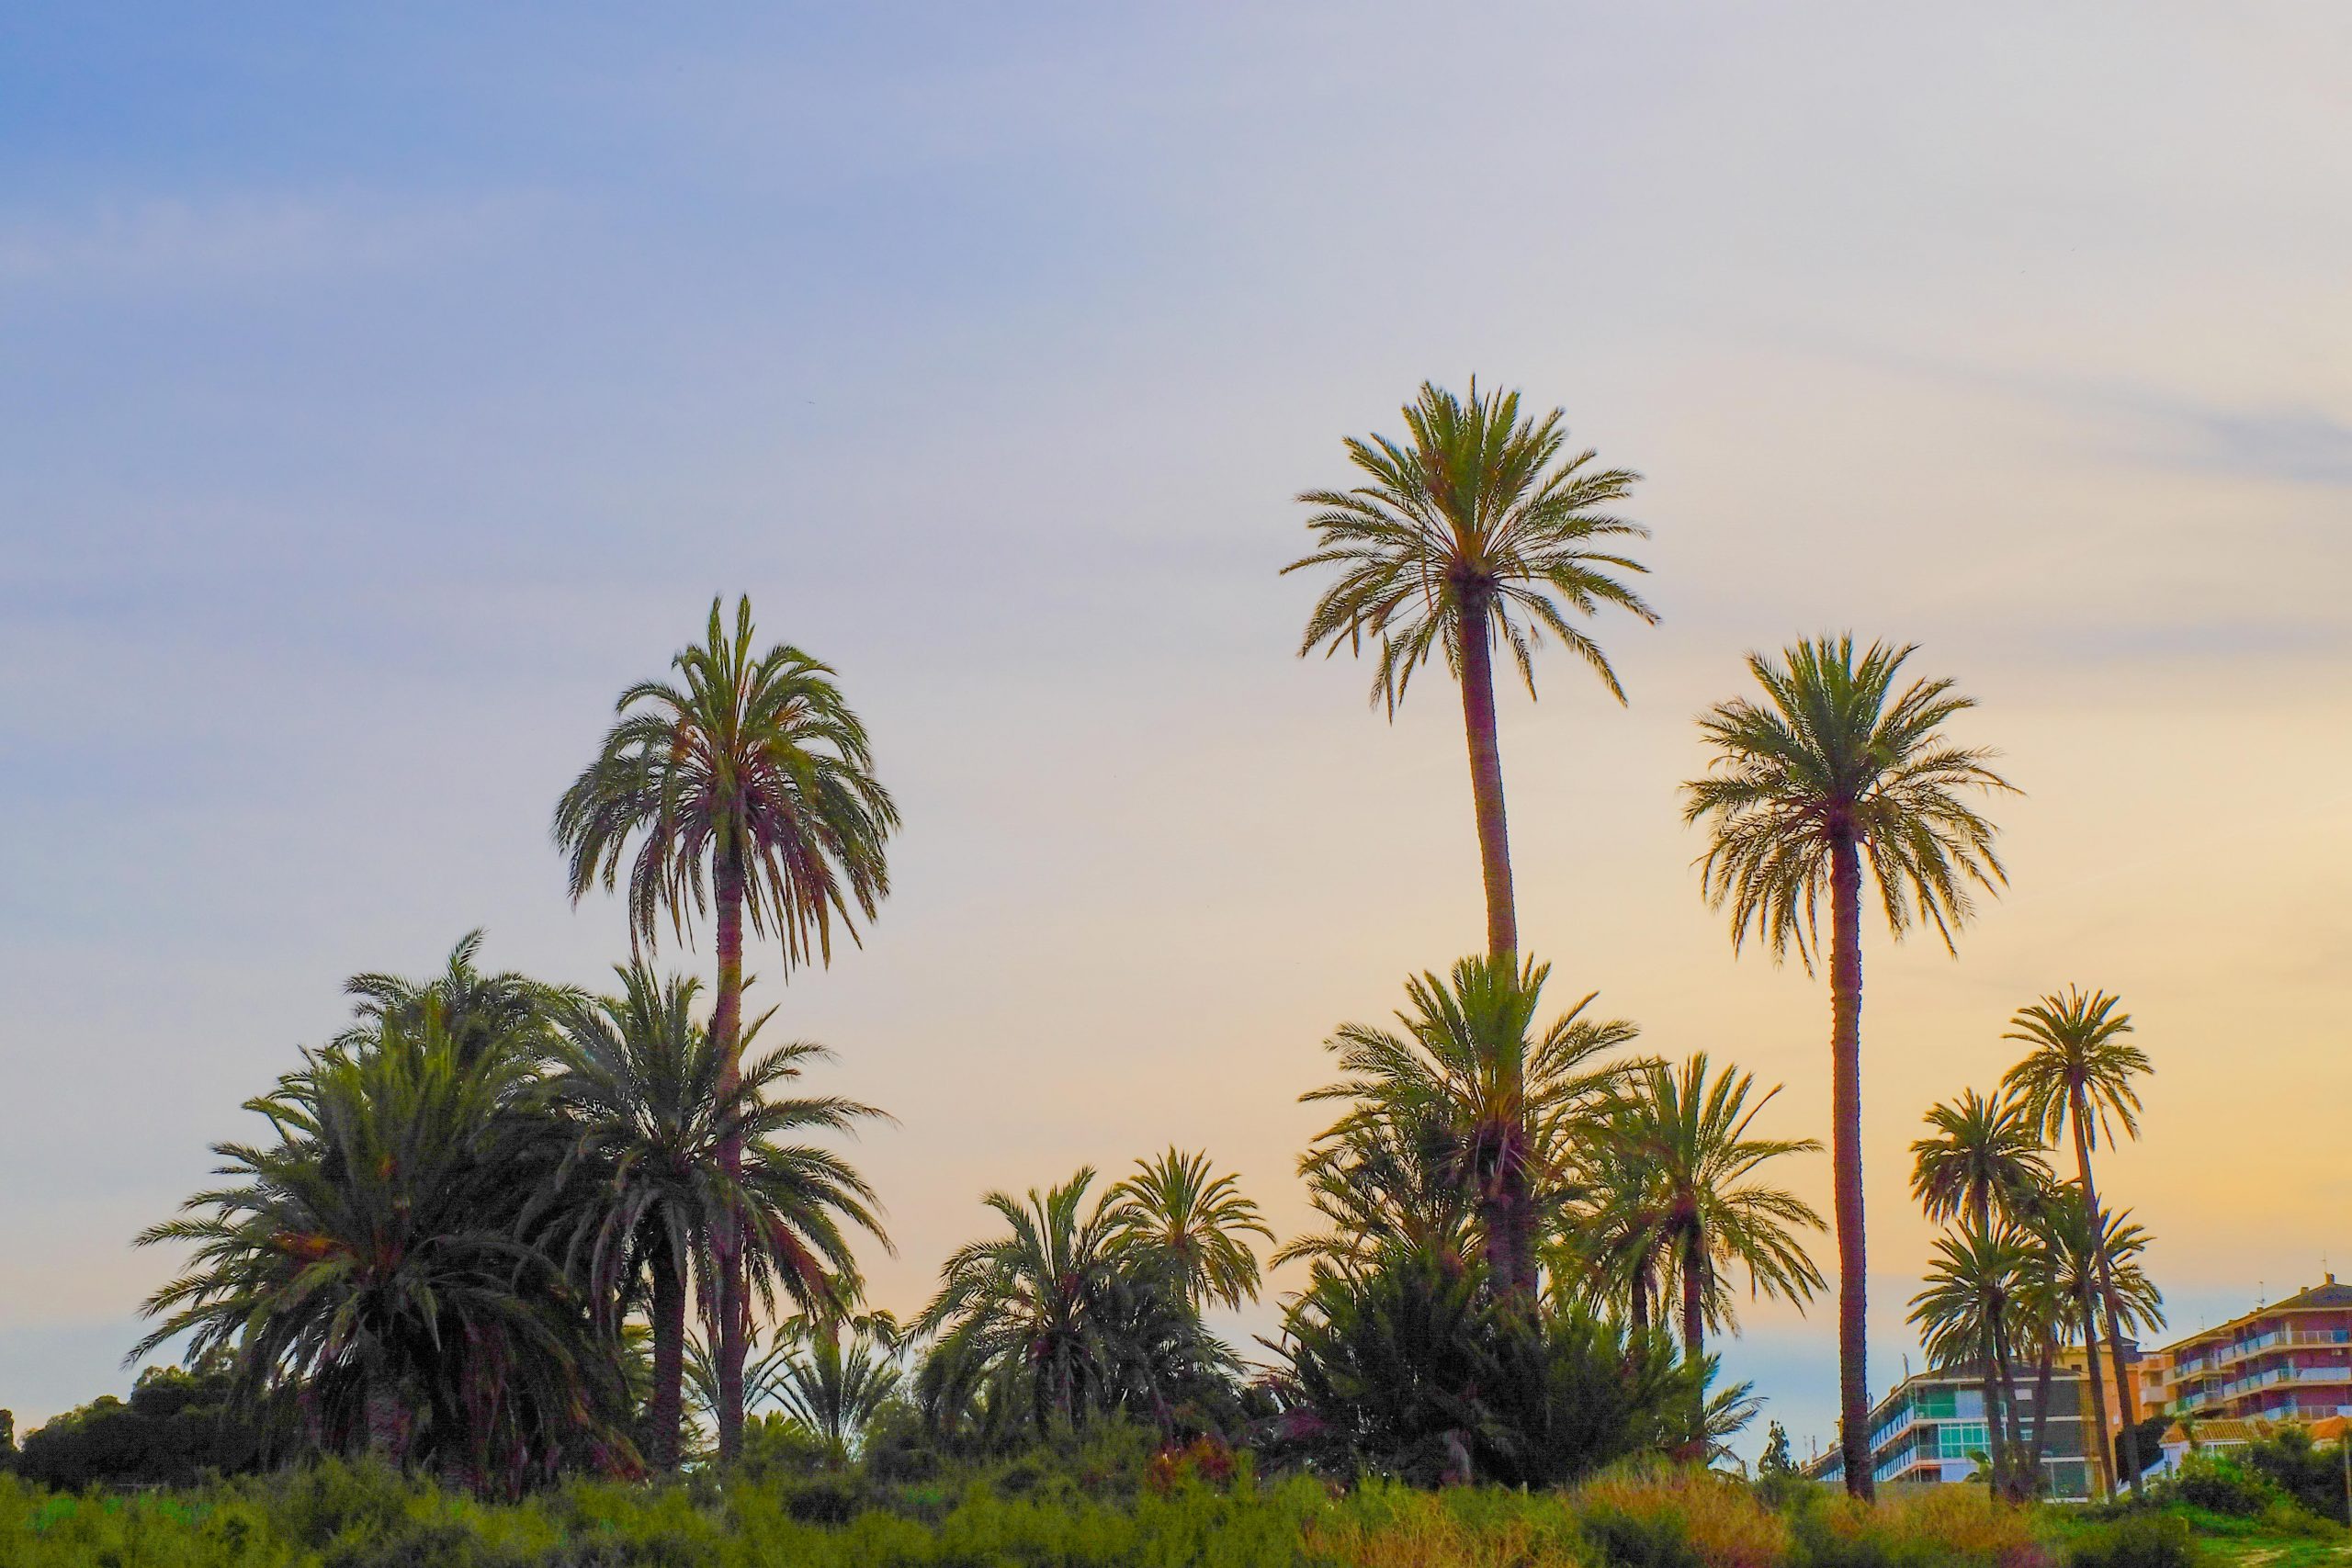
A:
[1572,1176]
[476,1192]
[2033,1262]
[1481,529]
[1086,1305]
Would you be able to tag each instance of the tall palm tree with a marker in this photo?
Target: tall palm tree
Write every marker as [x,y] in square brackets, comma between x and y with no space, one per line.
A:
[1968,1312]
[640,1086]
[1984,1159]
[1833,770]
[747,789]
[1690,1132]
[1478,530]
[2078,1073]
[1508,1103]
[1180,1214]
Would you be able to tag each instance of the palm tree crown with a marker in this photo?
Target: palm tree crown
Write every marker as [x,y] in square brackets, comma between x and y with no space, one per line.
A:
[1481,526]
[1180,1215]
[2079,1053]
[750,764]
[1984,1159]
[1506,1100]
[1827,759]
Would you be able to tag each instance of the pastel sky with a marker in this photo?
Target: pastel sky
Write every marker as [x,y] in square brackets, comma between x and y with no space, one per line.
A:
[381,393]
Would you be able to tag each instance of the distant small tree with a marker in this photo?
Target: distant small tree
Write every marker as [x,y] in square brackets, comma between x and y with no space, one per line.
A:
[1776,1459]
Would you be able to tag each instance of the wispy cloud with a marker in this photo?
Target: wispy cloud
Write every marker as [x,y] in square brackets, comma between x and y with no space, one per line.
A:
[248,238]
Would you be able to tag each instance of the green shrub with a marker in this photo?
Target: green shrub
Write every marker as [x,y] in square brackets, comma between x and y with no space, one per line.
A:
[2148,1539]
[2218,1482]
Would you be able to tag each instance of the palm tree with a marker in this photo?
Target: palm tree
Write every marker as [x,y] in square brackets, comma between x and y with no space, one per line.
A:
[2074,1248]
[1179,1216]
[370,1253]
[1383,1193]
[1052,1304]
[1507,1104]
[1478,531]
[1832,770]
[642,1089]
[1610,1251]
[837,1374]
[748,790]
[2078,1073]
[1968,1312]
[1983,1160]
[506,1011]
[1690,1134]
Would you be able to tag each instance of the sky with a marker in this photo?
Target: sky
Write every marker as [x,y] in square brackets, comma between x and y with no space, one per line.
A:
[381,392]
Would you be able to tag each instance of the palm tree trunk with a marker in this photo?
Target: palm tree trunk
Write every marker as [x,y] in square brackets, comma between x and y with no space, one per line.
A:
[2127,1407]
[1487,776]
[1996,1453]
[1639,1314]
[2017,1477]
[1695,1298]
[727,1244]
[669,1357]
[2094,1448]
[1694,1338]
[2041,1380]
[1510,1242]
[1846,1116]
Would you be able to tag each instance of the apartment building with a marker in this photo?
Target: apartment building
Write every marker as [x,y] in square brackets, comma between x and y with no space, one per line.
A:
[2288,1361]
[1928,1430]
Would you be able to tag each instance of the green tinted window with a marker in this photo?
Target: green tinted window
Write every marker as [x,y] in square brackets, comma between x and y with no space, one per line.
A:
[1939,1403]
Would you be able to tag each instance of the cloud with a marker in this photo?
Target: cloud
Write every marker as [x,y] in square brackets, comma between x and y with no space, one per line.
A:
[2298,447]
[250,238]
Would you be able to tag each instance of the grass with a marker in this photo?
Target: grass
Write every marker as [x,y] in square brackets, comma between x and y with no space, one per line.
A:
[335,1516]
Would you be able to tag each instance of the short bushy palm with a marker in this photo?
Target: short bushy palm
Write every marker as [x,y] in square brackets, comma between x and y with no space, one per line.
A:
[1509,1102]
[747,789]
[372,1254]
[1415,1370]
[1478,530]
[836,1376]
[2078,1074]
[1834,769]
[1179,1216]
[1053,1313]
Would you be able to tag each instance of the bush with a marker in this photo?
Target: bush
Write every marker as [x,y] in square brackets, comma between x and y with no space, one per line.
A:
[1413,1372]
[2148,1538]
[2218,1482]
[2313,1478]
[175,1427]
